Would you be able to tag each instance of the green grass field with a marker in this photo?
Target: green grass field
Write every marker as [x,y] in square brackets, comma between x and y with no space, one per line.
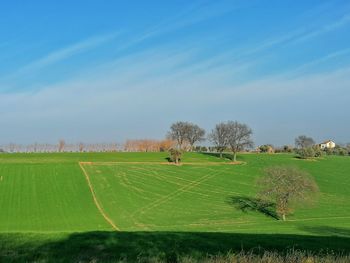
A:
[47,207]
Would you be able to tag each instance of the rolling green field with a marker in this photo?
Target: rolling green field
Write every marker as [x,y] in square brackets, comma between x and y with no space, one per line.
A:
[48,208]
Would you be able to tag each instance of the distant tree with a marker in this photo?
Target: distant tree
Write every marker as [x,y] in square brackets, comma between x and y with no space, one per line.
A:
[81,147]
[197,148]
[61,145]
[204,149]
[165,145]
[310,152]
[238,137]
[194,134]
[12,147]
[266,148]
[306,152]
[337,150]
[175,155]
[303,141]
[179,133]
[348,148]
[286,186]
[287,149]
[318,151]
[219,137]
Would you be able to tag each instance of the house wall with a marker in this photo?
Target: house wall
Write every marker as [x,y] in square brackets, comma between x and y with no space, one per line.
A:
[329,145]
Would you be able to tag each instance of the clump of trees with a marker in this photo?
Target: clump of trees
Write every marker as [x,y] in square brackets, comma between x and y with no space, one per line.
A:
[284,149]
[147,145]
[186,134]
[306,148]
[232,135]
[286,187]
[201,149]
[338,150]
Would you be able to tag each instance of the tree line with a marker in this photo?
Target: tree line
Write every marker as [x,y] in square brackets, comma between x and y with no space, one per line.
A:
[230,135]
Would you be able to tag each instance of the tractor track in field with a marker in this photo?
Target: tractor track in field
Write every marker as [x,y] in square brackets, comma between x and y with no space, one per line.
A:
[99,207]
[318,218]
[174,194]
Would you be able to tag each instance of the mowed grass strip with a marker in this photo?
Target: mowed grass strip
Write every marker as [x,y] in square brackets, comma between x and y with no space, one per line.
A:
[46,197]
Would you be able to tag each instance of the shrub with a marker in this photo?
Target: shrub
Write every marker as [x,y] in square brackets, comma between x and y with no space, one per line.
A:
[287,149]
[306,153]
[318,151]
[267,148]
[175,155]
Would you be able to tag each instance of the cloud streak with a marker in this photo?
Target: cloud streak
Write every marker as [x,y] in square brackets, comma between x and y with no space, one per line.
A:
[67,52]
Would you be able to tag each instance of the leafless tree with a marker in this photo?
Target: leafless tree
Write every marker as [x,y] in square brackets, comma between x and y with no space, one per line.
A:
[179,133]
[238,137]
[61,145]
[185,134]
[286,186]
[303,142]
[194,134]
[219,137]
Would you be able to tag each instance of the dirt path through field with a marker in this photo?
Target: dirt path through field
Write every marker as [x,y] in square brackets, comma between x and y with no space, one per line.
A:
[100,209]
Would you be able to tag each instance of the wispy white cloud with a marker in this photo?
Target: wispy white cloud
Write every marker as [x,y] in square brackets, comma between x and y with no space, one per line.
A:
[317,62]
[344,20]
[295,36]
[194,14]
[67,52]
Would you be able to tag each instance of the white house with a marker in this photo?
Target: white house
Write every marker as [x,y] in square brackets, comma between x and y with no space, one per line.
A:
[327,145]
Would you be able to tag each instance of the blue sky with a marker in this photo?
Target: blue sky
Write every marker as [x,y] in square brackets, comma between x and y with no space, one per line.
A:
[103,71]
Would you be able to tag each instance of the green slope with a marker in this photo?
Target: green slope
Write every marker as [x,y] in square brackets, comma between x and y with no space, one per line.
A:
[186,210]
[209,198]
[46,197]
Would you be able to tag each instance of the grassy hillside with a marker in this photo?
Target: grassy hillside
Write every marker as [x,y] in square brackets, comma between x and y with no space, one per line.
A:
[46,197]
[48,212]
[216,197]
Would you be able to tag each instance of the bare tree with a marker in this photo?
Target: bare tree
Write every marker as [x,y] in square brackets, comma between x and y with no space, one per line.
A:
[285,186]
[61,145]
[238,137]
[179,133]
[194,134]
[219,137]
[303,142]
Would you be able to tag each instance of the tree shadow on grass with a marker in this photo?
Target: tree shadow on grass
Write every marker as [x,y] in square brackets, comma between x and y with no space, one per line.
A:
[227,156]
[148,246]
[248,204]
[327,230]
